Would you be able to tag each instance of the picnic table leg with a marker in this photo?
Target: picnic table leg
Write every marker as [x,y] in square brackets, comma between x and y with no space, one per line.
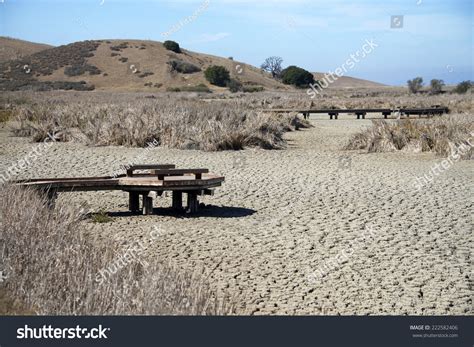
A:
[192,202]
[134,201]
[147,204]
[177,200]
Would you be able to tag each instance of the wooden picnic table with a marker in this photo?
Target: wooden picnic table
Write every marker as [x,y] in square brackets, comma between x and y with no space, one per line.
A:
[154,182]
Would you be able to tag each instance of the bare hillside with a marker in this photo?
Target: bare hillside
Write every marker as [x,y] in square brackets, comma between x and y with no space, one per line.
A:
[132,65]
[122,65]
[11,49]
[349,82]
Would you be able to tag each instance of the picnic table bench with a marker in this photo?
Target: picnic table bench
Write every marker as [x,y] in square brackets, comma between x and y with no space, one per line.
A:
[149,184]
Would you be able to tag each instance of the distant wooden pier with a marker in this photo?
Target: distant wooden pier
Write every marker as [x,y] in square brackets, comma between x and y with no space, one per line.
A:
[149,184]
[362,112]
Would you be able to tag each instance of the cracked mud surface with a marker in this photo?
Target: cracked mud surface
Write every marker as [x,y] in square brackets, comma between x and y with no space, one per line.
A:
[282,215]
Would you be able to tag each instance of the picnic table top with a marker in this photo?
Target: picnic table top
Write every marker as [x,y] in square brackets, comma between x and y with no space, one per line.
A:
[165,179]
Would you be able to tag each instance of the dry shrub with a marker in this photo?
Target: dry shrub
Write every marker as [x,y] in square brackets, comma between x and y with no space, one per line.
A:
[184,124]
[52,264]
[441,136]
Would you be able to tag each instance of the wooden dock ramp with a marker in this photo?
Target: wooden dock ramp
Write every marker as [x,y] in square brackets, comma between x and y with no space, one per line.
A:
[435,110]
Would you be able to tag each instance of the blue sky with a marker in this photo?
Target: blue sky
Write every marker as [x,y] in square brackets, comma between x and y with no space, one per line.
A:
[435,40]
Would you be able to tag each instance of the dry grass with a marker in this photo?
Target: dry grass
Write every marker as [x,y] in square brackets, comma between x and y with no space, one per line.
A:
[441,136]
[368,98]
[173,123]
[52,265]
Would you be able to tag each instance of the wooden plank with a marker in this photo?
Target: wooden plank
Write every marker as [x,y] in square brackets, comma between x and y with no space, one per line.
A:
[133,168]
[182,181]
[194,182]
[359,110]
[178,172]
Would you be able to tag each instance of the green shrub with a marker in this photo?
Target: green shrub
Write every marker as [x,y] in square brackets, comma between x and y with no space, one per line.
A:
[200,88]
[77,70]
[101,217]
[5,115]
[217,75]
[463,87]
[145,74]
[297,76]
[183,67]
[415,85]
[119,47]
[252,89]
[436,86]
[172,46]
[234,86]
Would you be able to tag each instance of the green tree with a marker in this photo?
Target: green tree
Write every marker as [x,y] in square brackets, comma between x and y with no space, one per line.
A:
[172,46]
[297,76]
[463,87]
[436,86]
[415,85]
[234,86]
[217,75]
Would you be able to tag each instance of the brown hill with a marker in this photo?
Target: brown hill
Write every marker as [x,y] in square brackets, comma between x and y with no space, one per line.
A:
[131,65]
[122,65]
[11,49]
[344,82]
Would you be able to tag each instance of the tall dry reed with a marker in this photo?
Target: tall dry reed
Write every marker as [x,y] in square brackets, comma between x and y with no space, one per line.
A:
[184,124]
[52,264]
[440,135]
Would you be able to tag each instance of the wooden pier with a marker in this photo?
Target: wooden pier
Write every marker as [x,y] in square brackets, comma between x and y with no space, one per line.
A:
[362,112]
[147,181]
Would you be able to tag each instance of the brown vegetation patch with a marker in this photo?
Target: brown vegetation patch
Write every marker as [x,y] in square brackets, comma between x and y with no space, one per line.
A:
[52,266]
[183,125]
[442,136]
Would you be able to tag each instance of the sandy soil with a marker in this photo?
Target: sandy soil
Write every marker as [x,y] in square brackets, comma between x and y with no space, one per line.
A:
[282,215]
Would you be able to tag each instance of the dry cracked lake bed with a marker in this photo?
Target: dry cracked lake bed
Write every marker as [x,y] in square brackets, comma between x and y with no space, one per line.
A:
[311,229]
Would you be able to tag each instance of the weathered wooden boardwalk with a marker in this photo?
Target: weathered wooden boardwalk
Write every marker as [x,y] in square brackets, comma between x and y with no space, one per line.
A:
[362,112]
[149,184]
